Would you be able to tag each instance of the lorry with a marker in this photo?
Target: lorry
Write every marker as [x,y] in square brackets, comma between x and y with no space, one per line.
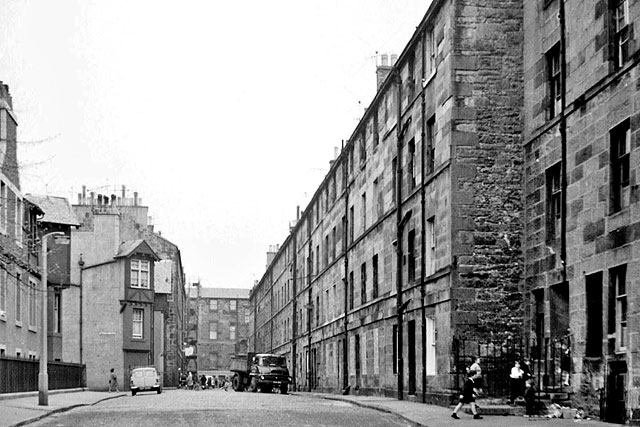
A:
[260,371]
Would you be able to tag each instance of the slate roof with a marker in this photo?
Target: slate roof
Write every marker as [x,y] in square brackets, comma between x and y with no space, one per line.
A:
[129,247]
[223,293]
[57,210]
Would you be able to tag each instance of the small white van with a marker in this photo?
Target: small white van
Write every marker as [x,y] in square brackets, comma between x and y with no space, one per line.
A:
[145,379]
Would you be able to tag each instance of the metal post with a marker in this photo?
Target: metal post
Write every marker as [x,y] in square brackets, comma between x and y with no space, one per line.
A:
[43,376]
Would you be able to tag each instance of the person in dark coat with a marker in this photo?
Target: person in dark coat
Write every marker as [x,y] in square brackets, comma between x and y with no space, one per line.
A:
[468,395]
[530,399]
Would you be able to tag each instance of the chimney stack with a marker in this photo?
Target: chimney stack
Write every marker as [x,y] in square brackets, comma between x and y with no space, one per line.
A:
[384,68]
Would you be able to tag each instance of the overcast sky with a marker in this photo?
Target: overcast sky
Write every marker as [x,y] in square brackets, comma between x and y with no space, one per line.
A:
[222,115]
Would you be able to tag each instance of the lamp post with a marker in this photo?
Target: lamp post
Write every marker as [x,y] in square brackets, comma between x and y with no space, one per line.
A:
[43,376]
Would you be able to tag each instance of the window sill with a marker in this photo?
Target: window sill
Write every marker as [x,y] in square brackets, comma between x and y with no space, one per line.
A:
[18,324]
[33,329]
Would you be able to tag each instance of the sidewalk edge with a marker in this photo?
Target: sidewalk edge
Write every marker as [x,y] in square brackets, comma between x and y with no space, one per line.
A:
[62,409]
[363,405]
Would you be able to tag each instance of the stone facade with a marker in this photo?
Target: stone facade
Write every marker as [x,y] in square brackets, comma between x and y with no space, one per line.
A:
[582,246]
[219,326]
[20,285]
[425,194]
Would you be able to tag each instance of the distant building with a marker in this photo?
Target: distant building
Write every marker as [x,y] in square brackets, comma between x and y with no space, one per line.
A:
[221,326]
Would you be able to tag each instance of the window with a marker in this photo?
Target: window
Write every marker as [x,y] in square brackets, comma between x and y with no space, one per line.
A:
[213,304]
[395,349]
[431,246]
[325,250]
[411,164]
[363,283]
[317,258]
[621,28]
[555,81]
[410,86]
[351,161]
[232,332]
[334,242]
[3,293]
[18,298]
[137,323]
[620,149]
[376,136]
[394,180]
[411,255]
[363,149]
[374,266]
[430,145]
[430,53]
[139,274]
[318,310]
[213,330]
[351,290]
[19,220]
[618,307]
[57,318]
[351,221]
[233,305]
[554,201]
[33,300]
[594,315]
[3,207]
[431,346]
[364,212]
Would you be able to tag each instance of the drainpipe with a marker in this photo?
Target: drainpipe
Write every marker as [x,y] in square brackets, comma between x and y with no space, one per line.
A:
[563,140]
[309,313]
[423,221]
[399,136]
[294,308]
[345,233]
[81,264]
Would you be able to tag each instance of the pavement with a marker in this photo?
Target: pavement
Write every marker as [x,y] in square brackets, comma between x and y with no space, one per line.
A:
[18,409]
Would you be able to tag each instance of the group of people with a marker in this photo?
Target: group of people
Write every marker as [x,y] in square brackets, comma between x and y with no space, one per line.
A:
[521,382]
[190,381]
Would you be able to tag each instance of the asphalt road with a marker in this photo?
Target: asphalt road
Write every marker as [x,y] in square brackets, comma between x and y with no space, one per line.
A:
[221,408]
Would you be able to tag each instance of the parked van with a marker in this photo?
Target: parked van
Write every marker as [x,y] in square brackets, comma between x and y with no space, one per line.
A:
[145,379]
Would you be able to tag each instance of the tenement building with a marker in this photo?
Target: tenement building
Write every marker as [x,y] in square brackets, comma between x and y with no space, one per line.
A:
[412,240]
[219,327]
[582,219]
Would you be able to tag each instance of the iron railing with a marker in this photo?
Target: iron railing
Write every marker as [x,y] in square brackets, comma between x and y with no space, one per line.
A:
[548,363]
[20,375]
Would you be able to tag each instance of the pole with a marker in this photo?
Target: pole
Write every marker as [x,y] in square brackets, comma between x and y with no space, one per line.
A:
[43,376]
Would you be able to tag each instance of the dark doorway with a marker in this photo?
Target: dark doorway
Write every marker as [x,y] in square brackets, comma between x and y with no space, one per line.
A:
[614,401]
[357,357]
[559,305]
[412,356]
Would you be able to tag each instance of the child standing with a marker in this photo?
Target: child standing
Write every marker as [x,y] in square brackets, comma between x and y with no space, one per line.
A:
[468,396]
[530,399]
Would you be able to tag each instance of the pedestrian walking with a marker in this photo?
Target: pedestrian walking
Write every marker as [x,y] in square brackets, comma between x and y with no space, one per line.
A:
[113,381]
[475,367]
[515,379]
[468,396]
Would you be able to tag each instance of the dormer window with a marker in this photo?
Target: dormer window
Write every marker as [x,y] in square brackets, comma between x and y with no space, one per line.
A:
[139,274]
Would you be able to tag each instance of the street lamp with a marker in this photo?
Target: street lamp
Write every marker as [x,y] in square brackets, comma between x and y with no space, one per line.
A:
[43,376]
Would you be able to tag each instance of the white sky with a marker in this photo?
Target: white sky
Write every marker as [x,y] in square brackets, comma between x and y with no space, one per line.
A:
[222,115]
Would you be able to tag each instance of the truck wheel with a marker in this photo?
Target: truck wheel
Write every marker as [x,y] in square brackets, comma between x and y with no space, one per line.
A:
[253,387]
[284,389]
[237,383]
[133,392]
[266,389]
